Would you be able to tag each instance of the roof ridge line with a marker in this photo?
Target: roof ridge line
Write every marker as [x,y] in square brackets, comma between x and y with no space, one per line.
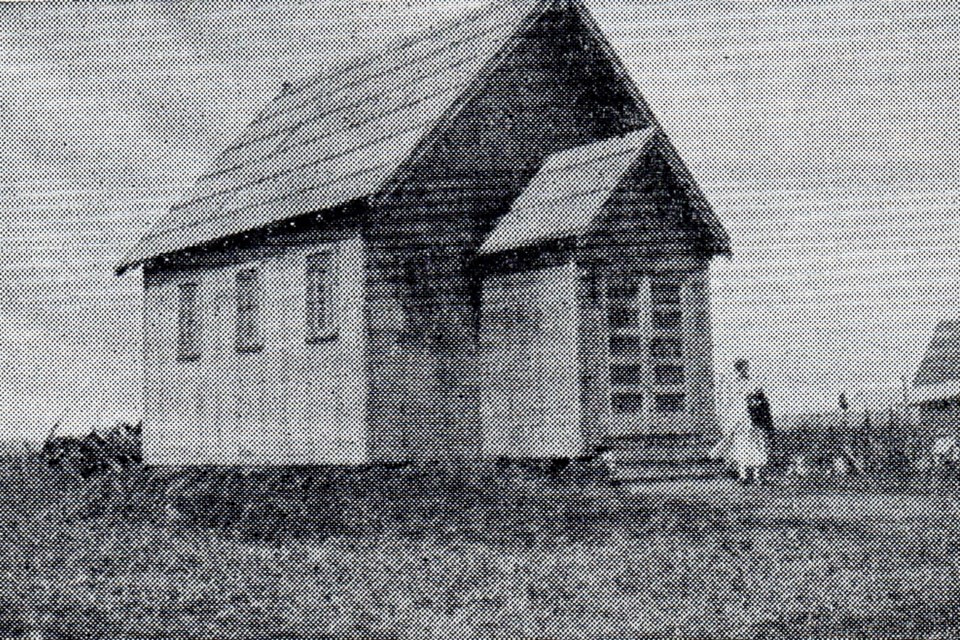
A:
[317,116]
[421,35]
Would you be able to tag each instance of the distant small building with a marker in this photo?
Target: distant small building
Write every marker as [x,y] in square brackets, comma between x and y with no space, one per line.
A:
[476,242]
[935,394]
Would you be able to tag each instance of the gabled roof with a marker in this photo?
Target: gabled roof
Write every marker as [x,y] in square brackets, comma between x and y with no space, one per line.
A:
[568,192]
[346,135]
[338,137]
[938,376]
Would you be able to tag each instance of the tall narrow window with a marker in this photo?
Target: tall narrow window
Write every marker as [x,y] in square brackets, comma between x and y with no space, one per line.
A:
[188,323]
[248,311]
[323,321]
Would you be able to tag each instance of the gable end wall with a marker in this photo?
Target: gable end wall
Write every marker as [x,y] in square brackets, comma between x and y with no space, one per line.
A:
[423,364]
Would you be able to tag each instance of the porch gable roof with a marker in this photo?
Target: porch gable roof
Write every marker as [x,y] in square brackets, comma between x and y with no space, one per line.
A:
[570,190]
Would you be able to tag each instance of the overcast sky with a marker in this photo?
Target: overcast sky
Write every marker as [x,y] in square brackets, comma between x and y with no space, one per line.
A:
[824,133]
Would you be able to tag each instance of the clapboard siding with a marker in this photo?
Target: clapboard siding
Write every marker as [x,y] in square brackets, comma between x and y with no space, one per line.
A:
[424,388]
[289,403]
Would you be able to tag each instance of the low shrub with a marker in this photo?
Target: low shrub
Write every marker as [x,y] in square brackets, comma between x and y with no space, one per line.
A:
[94,453]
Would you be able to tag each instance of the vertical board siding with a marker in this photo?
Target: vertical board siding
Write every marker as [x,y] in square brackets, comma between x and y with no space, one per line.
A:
[290,402]
[594,366]
[528,342]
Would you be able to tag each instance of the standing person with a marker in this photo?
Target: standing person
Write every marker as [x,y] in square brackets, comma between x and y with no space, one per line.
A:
[746,441]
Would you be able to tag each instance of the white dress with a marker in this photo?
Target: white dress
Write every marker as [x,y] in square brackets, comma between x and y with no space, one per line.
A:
[743,444]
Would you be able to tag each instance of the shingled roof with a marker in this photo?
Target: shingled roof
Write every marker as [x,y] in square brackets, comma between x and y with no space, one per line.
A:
[938,376]
[568,192]
[341,136]
[338,137]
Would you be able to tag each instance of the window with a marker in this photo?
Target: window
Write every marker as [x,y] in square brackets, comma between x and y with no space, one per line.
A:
[623,318]
[627,403]
[248,311]
[662,348]
[626,374]
[668,374]
[323,322]
[665,293]
[623,286]
[188,323]
[591,282]
[625,345]
[670,402]
[666,320]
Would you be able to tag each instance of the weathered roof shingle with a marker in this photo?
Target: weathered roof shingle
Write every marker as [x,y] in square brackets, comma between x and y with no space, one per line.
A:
[341,136]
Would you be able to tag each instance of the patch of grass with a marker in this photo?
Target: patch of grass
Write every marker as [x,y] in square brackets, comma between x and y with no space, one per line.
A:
[432,551]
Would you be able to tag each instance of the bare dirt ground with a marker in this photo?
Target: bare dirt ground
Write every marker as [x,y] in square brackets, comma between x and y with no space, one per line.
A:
[484,553]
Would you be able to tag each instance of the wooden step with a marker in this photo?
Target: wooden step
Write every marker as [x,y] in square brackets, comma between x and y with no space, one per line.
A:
[656,439]
[666,471]
[667,446]
[661,457]
[689,453]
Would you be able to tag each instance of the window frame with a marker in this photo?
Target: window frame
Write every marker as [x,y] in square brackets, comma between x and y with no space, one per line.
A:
[189,325]
[322,295]
[247,303]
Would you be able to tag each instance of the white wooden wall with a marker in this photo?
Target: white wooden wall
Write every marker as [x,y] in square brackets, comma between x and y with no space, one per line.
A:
[290,403]
[529,345]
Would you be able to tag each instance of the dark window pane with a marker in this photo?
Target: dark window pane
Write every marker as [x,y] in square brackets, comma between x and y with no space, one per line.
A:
[670,402]
[665,293]
[668,374]
[591,282]
[622,318]
[625,345]
[627,403]
[626,374]
[662,348]
[624,286]
[665,320]
[322,284]
[248,309]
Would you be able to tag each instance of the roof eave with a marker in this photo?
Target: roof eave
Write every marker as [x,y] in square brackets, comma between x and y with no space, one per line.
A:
[537,10]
